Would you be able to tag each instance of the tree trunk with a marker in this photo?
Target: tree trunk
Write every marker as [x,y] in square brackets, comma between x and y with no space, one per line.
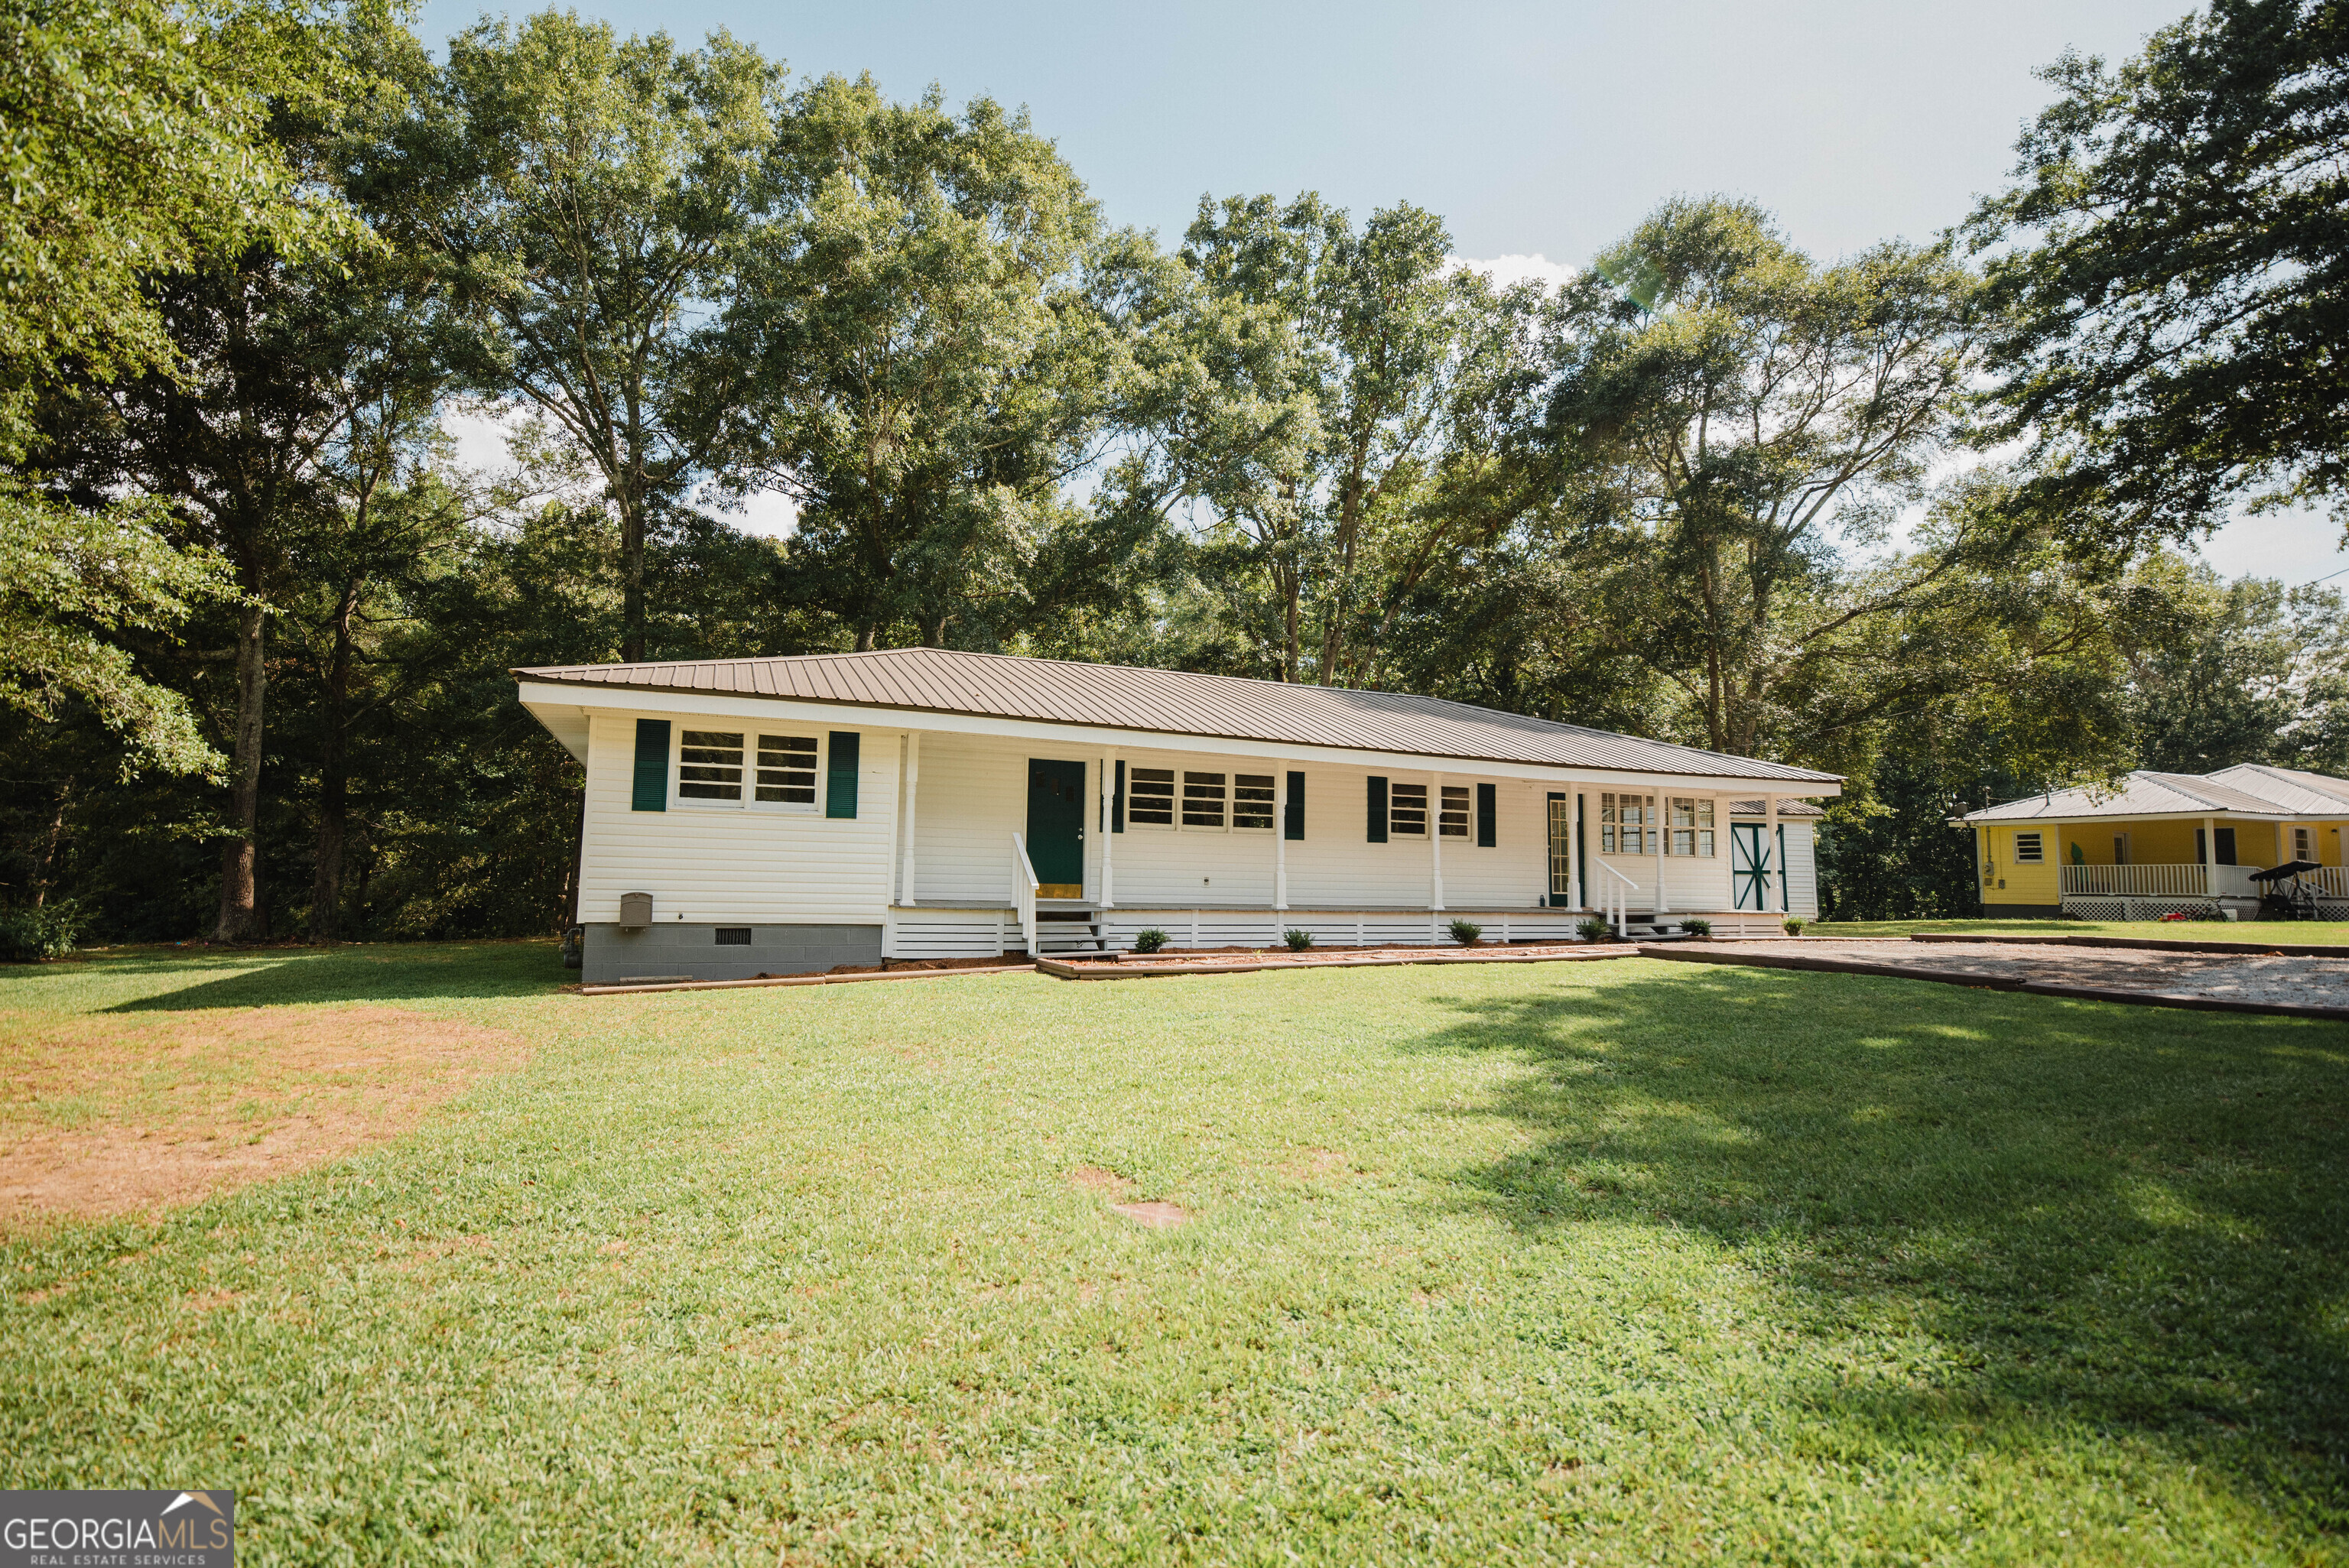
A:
[48,867]
[334,797]
[239,901]
[632,583]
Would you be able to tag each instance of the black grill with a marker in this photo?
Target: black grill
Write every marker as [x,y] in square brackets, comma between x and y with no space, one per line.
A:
[733,937]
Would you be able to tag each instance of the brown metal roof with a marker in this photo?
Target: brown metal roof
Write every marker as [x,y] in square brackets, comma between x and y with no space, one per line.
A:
[1173,702]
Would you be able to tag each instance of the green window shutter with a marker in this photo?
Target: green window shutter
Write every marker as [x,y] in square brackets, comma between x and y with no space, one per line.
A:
[1292,824]
[651,793]
[1488,815]
[1378,833]
[1117,803]
[840,785]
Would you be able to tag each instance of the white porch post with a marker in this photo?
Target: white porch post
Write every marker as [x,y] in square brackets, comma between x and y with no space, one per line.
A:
[907,824]
[1656,813]
[1108,838]
[1280,845]
[1435,840]
[2210,856]
[1771,842]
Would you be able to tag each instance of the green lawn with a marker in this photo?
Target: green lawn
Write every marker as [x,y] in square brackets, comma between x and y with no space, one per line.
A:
[1624,1263]
[2301,931]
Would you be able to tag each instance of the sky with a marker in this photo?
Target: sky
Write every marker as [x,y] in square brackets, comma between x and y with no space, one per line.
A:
[1540,132]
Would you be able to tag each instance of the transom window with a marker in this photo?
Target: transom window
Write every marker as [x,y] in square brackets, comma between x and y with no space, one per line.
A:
[1453,822]
[1203,800]
[1252,800]
[1626,824]
[1689,826]
[710,765]
[1407,810]
[787,769]
[1150,797]
[2029,849]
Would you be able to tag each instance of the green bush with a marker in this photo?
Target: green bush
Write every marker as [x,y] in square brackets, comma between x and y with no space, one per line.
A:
[1149,941]
[1298,940]
[1466,932]
[1697,925]
[1593,929]
[33,934]
[1794,924]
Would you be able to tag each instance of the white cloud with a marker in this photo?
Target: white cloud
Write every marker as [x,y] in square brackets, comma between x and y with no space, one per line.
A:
[1507,270]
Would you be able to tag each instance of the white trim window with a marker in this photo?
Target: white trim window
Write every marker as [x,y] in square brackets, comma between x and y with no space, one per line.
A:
[1624,824]
[1407,810]
[1252,801]
[2303,843]
[1150,798]
[1203,801]
[1453,823]
[710,765]
[1688,827]
[787,767]
[2030,850]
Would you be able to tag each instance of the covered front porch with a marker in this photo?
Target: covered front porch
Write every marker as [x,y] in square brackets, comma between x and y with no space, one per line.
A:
[2149,892]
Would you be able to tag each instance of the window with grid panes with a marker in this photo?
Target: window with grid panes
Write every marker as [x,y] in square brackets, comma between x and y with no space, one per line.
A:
[1203,800]
[1150,797]
[787,769]
[1624,824]
[1453,822]
[710,765]
[1252,800]
[1407,810]
[1689,826]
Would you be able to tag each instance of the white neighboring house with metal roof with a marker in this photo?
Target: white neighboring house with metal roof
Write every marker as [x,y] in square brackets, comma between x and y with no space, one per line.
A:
[784,815]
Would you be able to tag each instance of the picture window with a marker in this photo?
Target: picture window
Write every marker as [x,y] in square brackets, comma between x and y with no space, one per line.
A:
[709,765]
[1407,810]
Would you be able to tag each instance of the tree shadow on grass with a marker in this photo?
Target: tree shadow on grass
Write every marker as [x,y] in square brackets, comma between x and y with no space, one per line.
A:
[2134,1218]
[265,978]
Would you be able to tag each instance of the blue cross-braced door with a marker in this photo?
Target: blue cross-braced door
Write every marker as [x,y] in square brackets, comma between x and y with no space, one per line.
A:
[1754,873]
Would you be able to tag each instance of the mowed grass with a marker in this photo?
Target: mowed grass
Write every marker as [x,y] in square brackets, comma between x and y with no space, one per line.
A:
[2301,932]
[1618,1263]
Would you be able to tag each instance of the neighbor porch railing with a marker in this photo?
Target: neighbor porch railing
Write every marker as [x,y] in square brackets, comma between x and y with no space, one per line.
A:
[2161,881]
[1023,891]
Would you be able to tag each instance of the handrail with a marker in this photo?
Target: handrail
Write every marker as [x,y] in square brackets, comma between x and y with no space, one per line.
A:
[1620,919]
[1023,892]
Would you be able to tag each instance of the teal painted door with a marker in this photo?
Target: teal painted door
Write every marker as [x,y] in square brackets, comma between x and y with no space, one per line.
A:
[1753,869]
[1056,826]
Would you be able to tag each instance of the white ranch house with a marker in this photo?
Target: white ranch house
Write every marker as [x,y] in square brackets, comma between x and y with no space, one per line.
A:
[749,817]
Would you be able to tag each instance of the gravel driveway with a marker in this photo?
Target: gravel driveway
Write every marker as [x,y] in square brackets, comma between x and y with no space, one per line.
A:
[2265,979]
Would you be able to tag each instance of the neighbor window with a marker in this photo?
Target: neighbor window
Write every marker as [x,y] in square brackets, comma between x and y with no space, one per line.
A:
[2303,843]
[1150,797]
[2120,848]
[1203,800]
[1690,830]
[1455,822]
[1407,810]
[2028,851]
[1252,800]
[1623,824]
[709,765]
[787,769]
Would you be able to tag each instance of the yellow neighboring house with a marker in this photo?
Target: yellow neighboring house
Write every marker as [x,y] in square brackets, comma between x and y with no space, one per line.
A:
[2162,843]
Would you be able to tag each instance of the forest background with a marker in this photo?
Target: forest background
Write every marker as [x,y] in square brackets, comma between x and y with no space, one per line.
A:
[1914,515]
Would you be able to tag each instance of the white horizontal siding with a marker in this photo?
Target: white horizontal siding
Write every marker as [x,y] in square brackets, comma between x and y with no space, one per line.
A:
[972,795]
[1803,869]
[725,863]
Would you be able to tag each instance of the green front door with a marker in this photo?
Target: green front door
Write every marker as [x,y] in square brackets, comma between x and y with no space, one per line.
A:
[1056,826]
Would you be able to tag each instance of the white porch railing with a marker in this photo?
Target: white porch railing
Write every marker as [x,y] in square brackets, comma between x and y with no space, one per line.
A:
[1023,890]
[1615,912]
[2160,881]
[2332,882]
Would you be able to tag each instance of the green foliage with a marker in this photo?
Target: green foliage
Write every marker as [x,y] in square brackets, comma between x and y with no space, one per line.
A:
[1794,924]
[1697,925]
[35,933]
[1149,940]
[2179,267]
[1590,928]
[1299,940]
[1466,933]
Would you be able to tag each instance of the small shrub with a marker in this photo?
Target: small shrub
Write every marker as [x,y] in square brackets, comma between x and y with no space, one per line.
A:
[1149,941]
[1697,925]
[35,934]
[1794,924]
[1466,932]
[1593,929]
[1298,940]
